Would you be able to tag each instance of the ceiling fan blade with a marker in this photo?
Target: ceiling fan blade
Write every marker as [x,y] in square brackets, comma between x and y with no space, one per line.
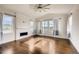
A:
[45,5]
[39,5]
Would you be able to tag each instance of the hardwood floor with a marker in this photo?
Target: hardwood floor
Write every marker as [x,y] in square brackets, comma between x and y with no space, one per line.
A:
[38,45]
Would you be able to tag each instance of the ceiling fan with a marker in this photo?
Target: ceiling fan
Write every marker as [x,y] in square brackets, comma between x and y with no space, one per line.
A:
[41,7]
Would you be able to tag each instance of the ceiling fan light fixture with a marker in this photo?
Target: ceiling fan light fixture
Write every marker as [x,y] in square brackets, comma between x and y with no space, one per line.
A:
[41,7]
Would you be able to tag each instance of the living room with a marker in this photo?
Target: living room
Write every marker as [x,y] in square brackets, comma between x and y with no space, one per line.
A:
[27,22]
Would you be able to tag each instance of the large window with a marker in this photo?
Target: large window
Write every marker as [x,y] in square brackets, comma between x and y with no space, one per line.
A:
[69,26]
[47,23]
[7,24]
[49,27]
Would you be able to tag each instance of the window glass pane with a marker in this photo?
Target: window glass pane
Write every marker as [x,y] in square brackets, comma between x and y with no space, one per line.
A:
[42,23]
[70,20]
[45,24]
[51,24]
[7,24]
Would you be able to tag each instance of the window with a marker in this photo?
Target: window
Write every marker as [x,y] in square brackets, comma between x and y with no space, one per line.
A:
[51,24]
[45,24]
[7,24]
[69,26]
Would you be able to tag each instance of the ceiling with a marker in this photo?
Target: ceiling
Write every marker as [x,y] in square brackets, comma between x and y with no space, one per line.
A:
[28,9]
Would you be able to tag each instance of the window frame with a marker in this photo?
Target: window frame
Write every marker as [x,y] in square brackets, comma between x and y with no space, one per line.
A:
[4,32]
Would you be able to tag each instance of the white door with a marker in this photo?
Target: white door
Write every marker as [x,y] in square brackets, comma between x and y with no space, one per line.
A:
[8,28]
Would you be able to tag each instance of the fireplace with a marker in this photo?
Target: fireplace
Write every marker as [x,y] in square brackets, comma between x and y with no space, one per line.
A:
[23,33]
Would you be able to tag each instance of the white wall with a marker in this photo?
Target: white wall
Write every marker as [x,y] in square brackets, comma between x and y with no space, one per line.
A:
[75,29]
[62,24]
[23,24]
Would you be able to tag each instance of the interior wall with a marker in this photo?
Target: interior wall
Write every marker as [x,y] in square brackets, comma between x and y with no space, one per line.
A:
[62,24]
[75,29]
[23,24]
